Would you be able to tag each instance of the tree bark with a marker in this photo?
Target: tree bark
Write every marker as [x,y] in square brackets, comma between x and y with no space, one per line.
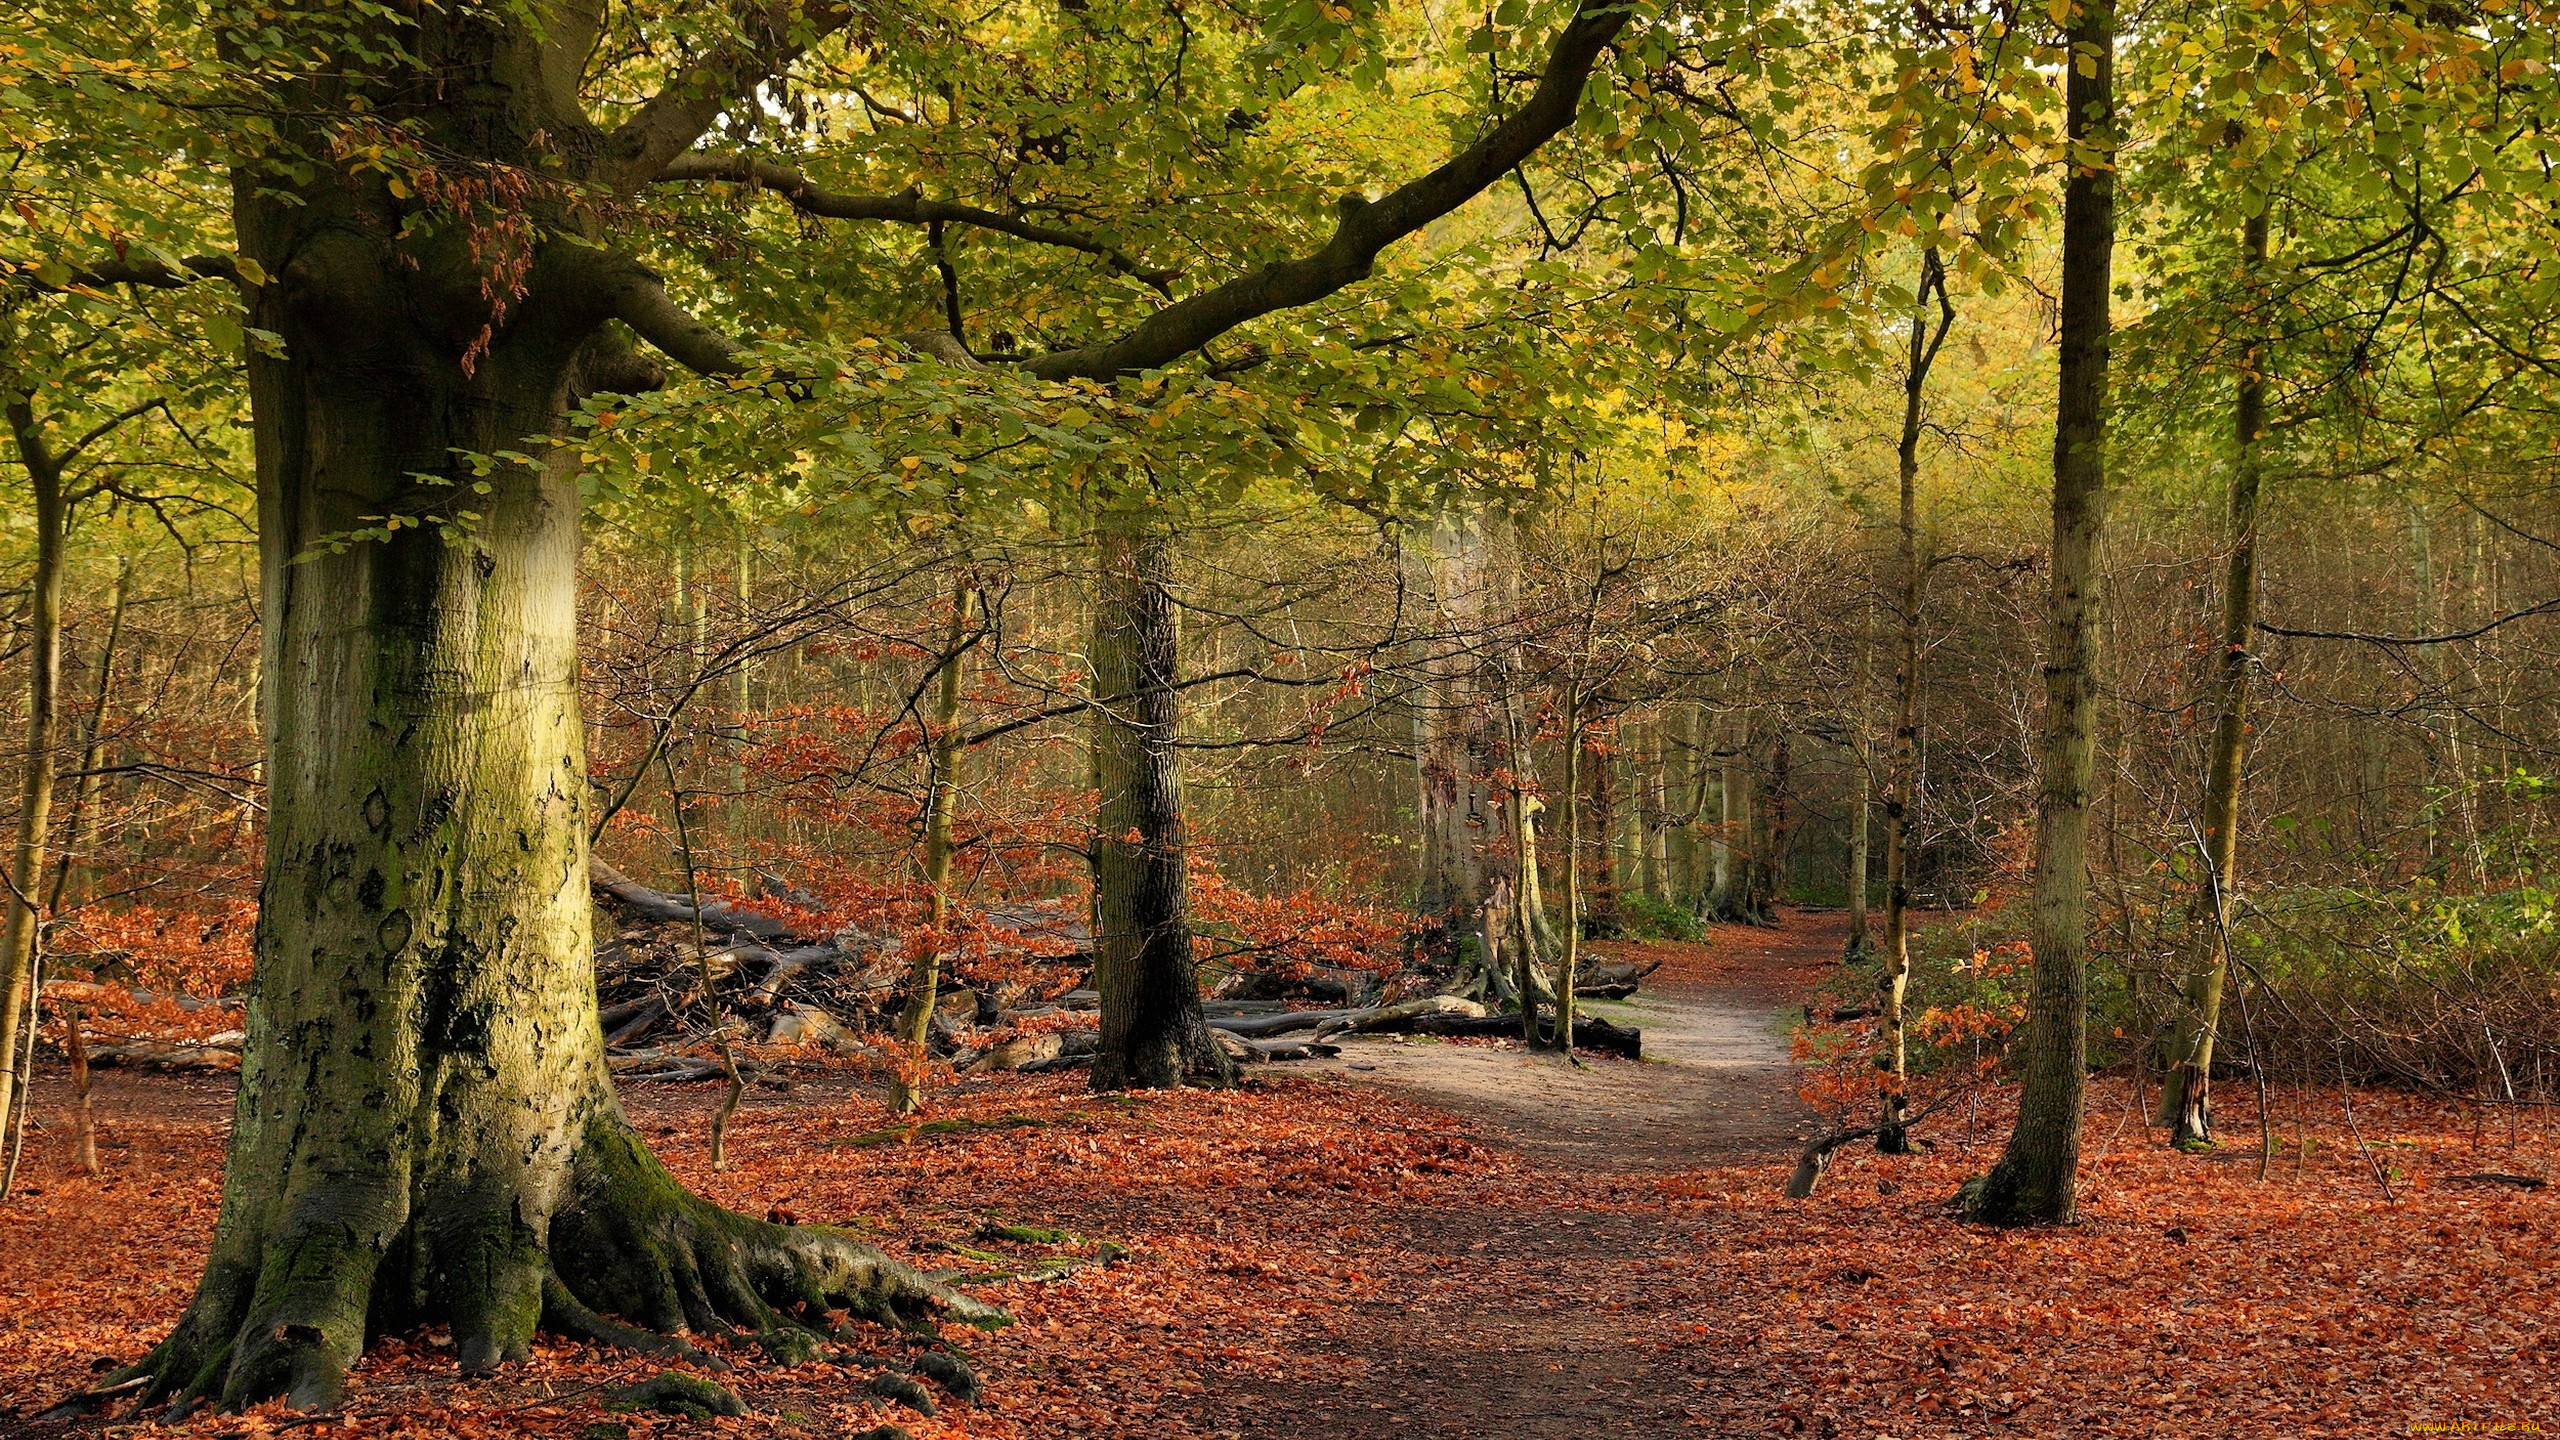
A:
[2186,1105]
[1570,952]
[1773,831]
[1451,743]
[1152,1030]
[19,932]
[424,1127]
[1861,942]
[1734,882]
[942,796]
[2037,1177]
[1596,850]
[1900,815]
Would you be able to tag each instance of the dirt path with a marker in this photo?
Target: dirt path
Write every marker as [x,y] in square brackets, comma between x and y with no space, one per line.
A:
[1714,1082]
[1486,1349]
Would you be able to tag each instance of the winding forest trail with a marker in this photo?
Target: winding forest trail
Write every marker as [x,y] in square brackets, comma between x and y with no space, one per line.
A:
[1506,1339]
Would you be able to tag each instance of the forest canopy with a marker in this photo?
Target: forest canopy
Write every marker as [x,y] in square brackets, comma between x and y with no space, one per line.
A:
[556,552]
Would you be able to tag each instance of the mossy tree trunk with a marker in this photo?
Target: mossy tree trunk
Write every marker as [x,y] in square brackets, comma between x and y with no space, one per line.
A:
[424,1128]
[2037,1177]
[2186,1104]
[19,932]
[1153,1029]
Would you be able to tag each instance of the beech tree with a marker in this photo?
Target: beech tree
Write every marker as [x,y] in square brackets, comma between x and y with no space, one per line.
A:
[436,272]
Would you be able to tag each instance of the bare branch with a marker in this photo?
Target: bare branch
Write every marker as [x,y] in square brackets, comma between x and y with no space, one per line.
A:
[2545,608]
[909,208]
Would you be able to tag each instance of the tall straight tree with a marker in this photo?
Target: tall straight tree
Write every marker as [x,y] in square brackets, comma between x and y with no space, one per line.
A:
[2186,1104]
[2037,1178]
[1903,781]
[1153,1030]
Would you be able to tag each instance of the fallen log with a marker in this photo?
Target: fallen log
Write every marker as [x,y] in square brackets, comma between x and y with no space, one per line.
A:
[785,967]
[635,1022]
[1404,1015]
[1287,1022]
[161,1055]
[1615,973]
[1625,1041]
[1029,1051]
[1271,1050]
[1264,1052]
[657,905]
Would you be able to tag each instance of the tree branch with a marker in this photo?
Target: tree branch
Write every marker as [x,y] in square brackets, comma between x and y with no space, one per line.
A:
[669,122]
[1365,228]
[2544,608]
[639,299]
[909,208]
[135,270]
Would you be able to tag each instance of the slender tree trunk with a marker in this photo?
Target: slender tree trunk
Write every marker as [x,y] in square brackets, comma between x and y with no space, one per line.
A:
[1569,959]
[942,798]
[1773,841]
[1734,882]
[1450,724]
[1532,919]
[1596,860]
[20,932]
[741,684]
[1861,793]
[2037,1177]
[2186,1092]
[1900,814]
[1687,880]
[1153,1031]
[1653,817]
[74,862]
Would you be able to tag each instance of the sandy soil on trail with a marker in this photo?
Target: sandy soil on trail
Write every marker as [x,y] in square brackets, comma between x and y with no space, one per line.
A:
[1715,1082]
[1488,1352]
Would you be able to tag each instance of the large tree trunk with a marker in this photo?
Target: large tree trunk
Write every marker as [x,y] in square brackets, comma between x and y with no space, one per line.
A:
[2037,1177]
[1653,814]
[2186,1095]
[1152,1029]
[35,781]
[424,1128]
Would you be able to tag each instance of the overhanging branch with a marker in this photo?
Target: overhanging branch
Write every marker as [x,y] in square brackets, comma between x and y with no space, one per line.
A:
[640,300]
[909,208]
[1365,228]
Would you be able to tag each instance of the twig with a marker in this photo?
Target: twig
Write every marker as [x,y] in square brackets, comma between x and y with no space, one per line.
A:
[2347,1099]
[702,969]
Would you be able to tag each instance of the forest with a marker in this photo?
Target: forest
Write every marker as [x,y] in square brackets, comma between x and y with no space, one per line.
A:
[1279,719]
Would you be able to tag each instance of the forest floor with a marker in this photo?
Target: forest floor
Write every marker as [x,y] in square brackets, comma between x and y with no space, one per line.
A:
[1455,1239]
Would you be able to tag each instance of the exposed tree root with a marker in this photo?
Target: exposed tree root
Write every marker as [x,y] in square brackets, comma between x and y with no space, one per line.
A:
[633,1260]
